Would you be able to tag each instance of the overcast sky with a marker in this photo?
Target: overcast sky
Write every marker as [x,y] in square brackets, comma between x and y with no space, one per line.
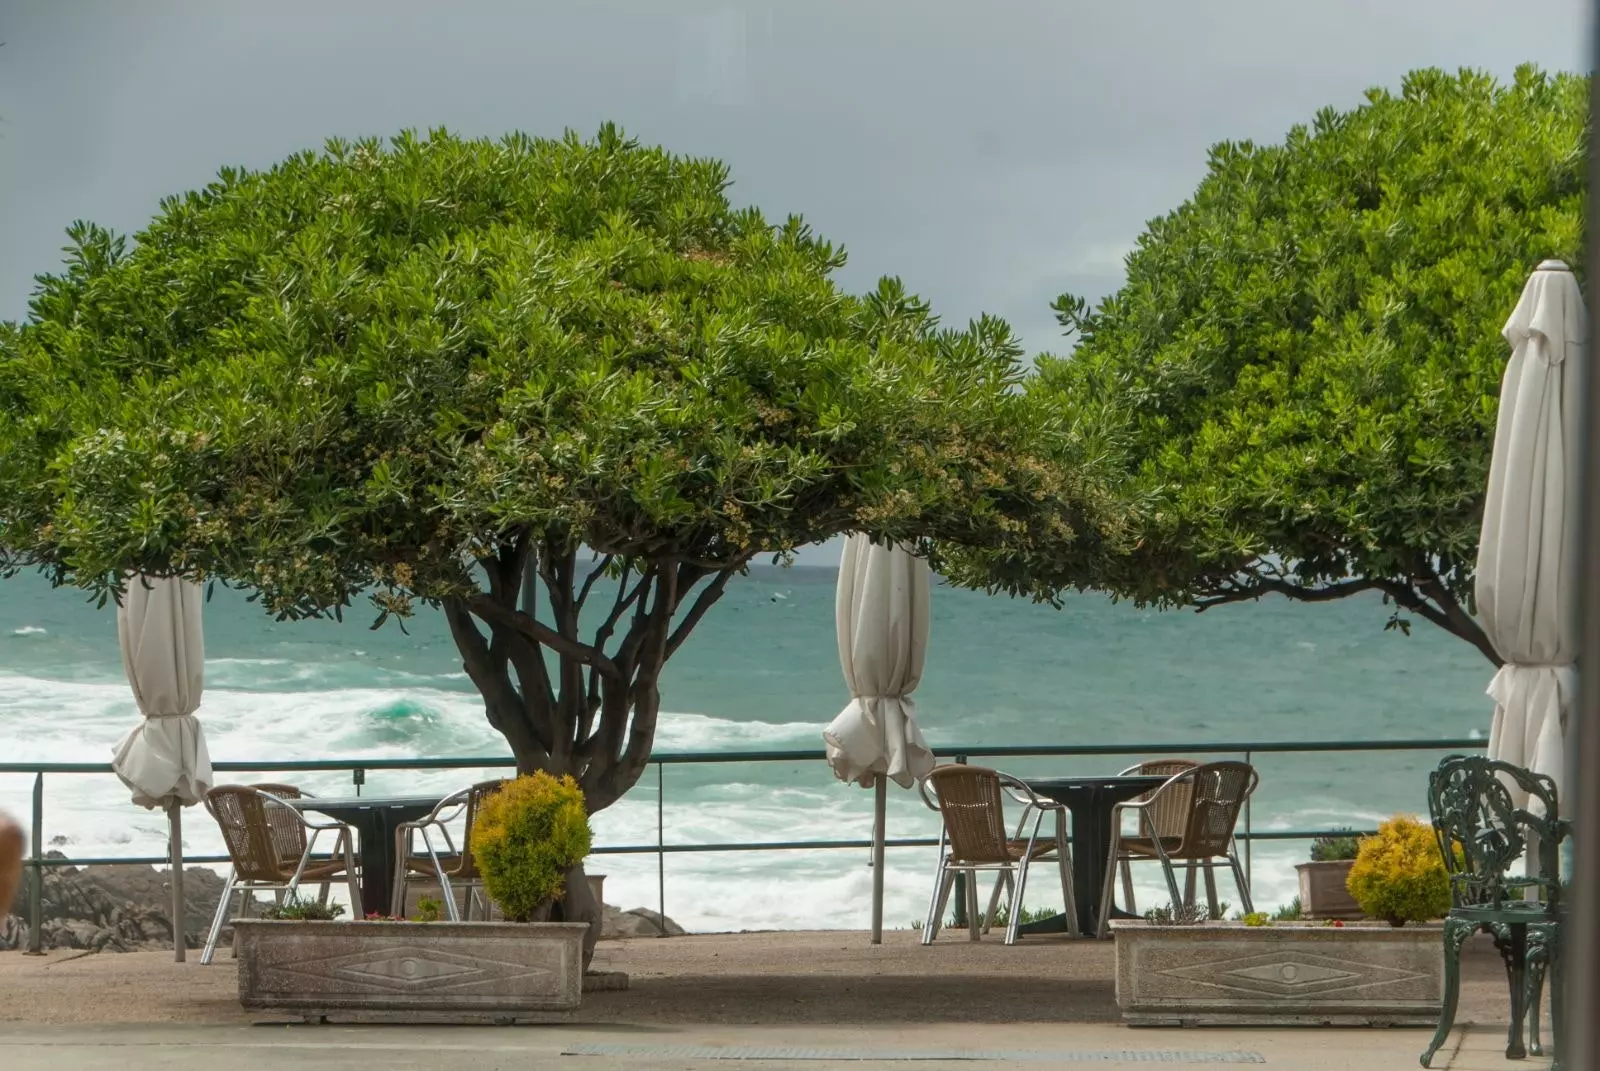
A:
[991,153]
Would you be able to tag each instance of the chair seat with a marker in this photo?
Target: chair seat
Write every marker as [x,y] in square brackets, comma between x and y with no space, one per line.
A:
[317,870]
[1145,846]
[1520,912]
[1015,850]
[452,864]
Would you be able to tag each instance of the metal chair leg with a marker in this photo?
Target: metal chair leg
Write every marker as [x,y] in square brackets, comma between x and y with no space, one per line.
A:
[1243,884]
[1064,864]
[218,919]
[402,874]
[936,901]
[1015,922]
[1171,875]
[1213,910]
[1455,932]
[946,880]
[1102,924]
[1002,881]
[1128,903]
[973,920]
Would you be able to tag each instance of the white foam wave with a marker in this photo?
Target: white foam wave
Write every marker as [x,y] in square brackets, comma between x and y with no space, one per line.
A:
[30,630]
[44,720]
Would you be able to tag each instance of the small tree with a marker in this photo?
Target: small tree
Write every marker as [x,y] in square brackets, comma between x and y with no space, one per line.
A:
[489,375]
[1299,377]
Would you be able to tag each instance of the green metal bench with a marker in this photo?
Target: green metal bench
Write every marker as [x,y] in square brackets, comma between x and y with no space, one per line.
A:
[1482,834]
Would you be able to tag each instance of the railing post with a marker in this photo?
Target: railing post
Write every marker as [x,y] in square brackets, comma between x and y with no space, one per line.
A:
[1249,841]
[960,891]
[36,868]
[661,847]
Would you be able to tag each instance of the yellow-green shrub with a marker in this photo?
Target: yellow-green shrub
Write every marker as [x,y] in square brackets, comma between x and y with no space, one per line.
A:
[1399,875]
[526,837]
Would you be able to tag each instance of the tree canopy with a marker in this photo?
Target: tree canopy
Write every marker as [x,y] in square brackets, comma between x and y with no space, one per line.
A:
[1299,378]
[445,371]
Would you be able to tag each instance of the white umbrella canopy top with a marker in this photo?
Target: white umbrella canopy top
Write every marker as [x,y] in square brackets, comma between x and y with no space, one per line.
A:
[164,759]
[1527,569]
[881,611]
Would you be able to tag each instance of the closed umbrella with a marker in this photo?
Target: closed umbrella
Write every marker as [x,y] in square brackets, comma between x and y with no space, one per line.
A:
[1527,573]
[881,610]
[164,760]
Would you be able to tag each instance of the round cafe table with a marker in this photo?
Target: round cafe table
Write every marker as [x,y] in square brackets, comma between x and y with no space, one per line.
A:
[1090,799]
[375,819]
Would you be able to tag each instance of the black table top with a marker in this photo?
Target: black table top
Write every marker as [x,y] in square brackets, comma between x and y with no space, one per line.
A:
[363,803]
[1092,782]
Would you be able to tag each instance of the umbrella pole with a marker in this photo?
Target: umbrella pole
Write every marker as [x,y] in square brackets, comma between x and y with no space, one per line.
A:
[880,791]
[175,822]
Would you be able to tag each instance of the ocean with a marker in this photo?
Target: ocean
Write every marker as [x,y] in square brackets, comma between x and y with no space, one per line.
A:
[761,671]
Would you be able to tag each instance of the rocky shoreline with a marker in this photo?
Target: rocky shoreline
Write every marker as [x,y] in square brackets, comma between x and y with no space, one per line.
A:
[121,908]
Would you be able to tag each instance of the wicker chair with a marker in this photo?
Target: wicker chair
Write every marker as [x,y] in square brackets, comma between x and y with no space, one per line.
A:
[270,851]
[971,800]
[450,867]
[1213,795]
[1166,817]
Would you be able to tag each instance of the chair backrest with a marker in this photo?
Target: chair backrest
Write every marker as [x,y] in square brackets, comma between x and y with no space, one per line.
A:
[288,833]
[1217,792]
[467,866]
[972,804]
[265,842]
[1472,810]
[1169,814]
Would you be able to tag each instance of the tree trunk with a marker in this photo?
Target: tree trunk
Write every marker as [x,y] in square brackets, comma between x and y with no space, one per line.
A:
[578,904]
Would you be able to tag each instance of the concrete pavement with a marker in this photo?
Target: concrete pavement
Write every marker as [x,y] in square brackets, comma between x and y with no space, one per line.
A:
[613,1047]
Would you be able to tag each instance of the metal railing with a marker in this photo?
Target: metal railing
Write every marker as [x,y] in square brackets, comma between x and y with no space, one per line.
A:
[37,862]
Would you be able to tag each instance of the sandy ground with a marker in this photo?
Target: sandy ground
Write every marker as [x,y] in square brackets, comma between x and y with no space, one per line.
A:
[836,978]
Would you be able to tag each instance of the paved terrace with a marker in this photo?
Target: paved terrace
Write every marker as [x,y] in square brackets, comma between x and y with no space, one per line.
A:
[790,999]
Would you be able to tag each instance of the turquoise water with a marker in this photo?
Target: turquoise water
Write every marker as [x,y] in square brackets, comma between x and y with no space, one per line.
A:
[761,672]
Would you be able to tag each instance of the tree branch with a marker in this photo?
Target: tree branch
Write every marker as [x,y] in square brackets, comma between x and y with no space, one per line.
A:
[1454,616]
[703,602]
[594,575]
[486,669]
[539,632]
[1261,585]
[1412,595]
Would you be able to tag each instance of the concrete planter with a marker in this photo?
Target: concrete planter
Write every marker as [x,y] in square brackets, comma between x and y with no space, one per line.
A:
[411,972]
[1322,890]
[1362,974]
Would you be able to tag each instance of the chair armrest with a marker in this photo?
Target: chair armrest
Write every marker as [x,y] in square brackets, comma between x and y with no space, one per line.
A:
[1018,790]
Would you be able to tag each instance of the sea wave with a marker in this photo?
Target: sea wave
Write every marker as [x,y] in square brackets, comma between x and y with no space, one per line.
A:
[30,630]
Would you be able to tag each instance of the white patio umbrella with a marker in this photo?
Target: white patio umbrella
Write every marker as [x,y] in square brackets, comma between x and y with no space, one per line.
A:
[881,610]
[1527,572]
[164,759]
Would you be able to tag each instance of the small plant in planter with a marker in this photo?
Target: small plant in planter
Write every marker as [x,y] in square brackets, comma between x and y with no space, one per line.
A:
[527,837]
[1323,894]
[1339,846]
[294,909]
[1398,874]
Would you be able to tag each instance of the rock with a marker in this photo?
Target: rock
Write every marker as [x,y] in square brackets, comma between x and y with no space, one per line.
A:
[639,922]
[114,908]
[127,908]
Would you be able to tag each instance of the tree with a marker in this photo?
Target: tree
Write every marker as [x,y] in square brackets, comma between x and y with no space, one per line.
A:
[1300,375]
[474,375]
